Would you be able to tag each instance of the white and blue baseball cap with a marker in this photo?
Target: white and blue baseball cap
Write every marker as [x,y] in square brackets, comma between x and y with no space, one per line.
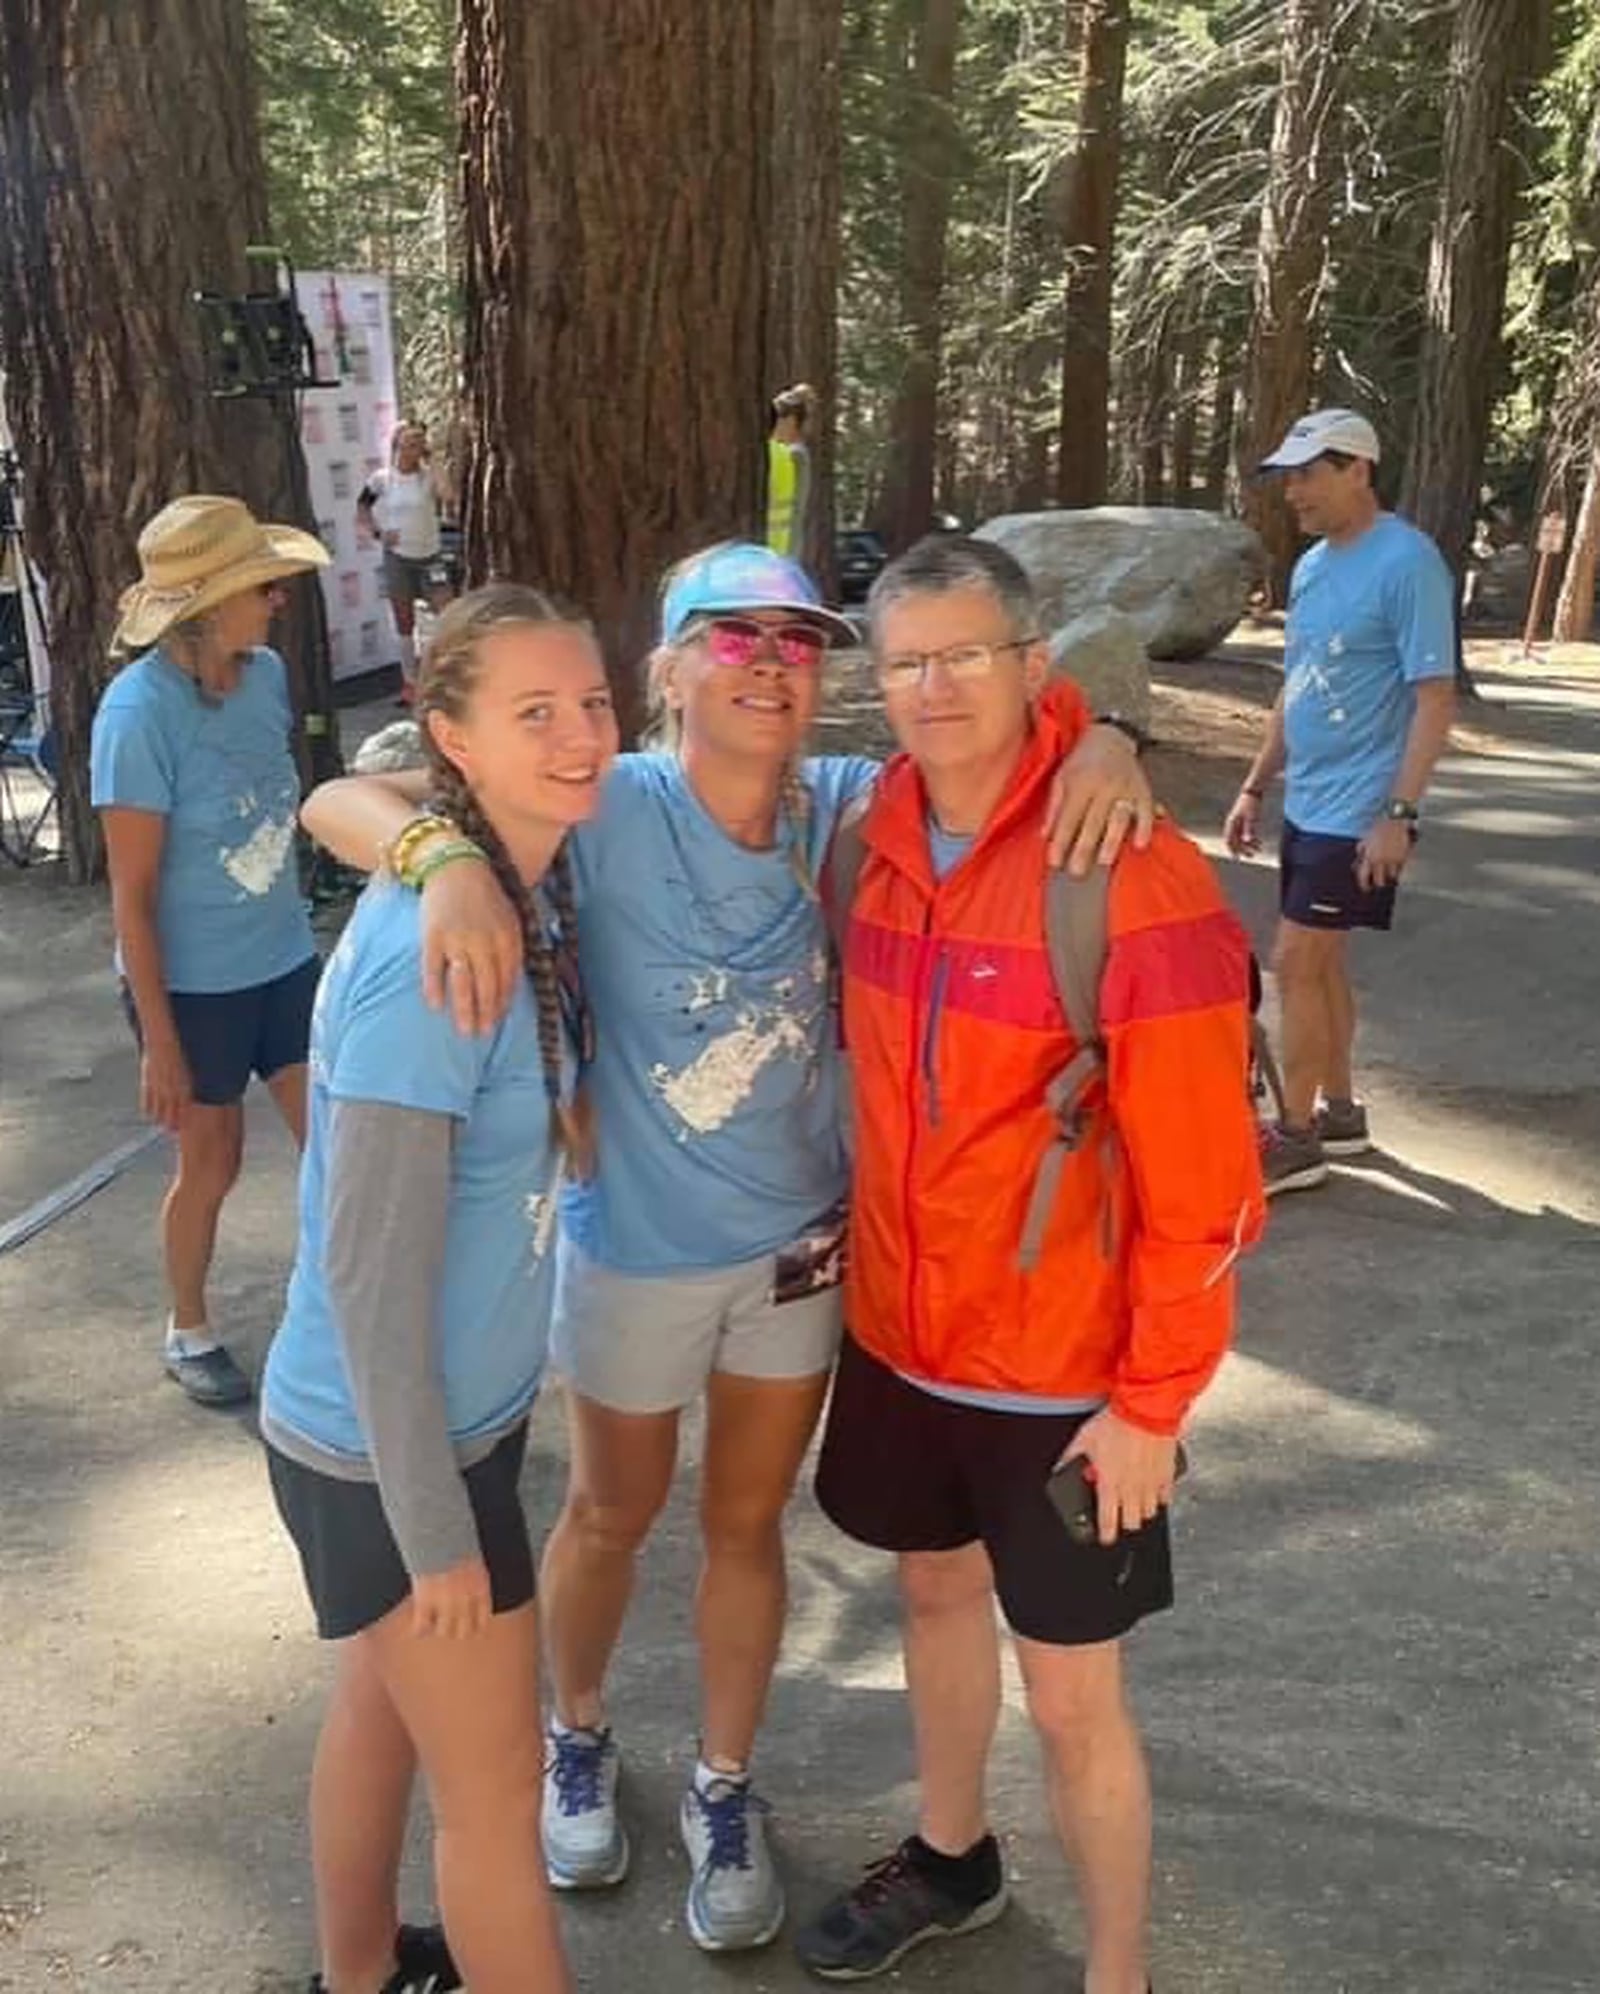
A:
[739,576]
[1325,429]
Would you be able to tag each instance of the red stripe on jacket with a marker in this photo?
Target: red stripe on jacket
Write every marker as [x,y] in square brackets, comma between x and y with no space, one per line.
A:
[1006,982]
[1180,966]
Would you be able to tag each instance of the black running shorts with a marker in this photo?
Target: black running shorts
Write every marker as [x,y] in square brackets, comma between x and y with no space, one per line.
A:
[353,1568]
[905,1471]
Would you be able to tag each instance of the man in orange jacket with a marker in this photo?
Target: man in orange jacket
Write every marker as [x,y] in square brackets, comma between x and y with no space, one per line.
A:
[983,1350]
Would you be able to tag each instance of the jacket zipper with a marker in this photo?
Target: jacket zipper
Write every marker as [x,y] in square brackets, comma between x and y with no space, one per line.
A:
[910,1227]
[930,1036]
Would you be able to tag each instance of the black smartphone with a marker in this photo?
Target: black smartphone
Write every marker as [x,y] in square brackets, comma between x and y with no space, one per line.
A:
[1071,1491]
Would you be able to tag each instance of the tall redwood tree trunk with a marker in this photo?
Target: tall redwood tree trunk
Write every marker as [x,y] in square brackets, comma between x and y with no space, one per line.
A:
[1498,49]
[1291,257]
[1575,604]
[929,158]
[1098,46]
[1219,440]
[130,177]
[615,183]
[804,159]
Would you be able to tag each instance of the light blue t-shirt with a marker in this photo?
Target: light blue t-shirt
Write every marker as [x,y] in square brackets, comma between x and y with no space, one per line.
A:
[374,1038]
[1366,623]
[229,910]
[946,849]
[715,1080]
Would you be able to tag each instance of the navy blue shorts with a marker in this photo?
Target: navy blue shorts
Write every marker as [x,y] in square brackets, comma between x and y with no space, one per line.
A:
[227,1035]
[1318,887]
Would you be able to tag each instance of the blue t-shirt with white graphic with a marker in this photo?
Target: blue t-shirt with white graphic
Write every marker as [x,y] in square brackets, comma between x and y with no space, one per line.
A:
[229,911]
[375,1038]
[1367,622]
[715,1081]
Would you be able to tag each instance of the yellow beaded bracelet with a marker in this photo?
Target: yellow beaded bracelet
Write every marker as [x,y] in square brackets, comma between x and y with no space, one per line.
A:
[417,832]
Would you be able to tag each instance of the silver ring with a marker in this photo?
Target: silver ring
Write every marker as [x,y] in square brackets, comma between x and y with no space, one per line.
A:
[1124,803]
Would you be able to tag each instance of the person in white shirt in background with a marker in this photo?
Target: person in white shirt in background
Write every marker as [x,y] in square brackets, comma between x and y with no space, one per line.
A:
[401,507]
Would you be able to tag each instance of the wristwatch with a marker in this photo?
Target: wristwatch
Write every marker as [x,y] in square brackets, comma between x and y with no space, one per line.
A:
[1399,811]
[1135,733]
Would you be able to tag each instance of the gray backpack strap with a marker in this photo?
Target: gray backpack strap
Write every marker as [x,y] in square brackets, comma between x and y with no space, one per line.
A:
[1264,1073]
[1076,914]
[1075,921]
[841,869]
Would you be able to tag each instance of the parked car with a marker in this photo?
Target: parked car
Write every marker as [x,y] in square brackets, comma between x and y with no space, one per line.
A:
[861,557]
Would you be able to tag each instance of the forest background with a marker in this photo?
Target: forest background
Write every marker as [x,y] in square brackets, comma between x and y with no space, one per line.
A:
[1030,252]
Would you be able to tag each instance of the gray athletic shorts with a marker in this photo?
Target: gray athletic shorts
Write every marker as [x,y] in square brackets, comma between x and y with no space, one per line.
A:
[649,1342]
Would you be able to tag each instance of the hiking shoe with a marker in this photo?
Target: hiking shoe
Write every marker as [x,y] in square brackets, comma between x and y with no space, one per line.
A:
[422,1964]
[585,1843]
[894,1907]
[210,1378]
[1291,1159]
[735,1896]
[1341,1128]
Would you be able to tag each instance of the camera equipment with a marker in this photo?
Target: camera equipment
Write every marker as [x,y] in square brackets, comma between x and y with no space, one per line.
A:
[259,344]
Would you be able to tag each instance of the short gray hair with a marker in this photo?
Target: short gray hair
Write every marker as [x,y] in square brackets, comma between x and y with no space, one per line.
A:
[946,561]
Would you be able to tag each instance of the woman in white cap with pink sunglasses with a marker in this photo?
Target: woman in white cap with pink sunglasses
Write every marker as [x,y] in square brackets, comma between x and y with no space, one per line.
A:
[192,773]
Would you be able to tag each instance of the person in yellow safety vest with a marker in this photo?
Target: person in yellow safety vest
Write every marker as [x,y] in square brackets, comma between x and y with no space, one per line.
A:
[788,470]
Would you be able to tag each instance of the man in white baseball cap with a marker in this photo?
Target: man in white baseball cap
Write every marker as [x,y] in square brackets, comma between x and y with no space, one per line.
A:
[1336,431]
[1365,711]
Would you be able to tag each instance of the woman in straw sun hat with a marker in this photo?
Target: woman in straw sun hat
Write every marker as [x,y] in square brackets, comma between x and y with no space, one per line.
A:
[192,774]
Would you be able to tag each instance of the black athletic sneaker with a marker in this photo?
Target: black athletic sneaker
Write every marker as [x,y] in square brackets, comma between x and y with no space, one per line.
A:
[422,1964]
[894,1907]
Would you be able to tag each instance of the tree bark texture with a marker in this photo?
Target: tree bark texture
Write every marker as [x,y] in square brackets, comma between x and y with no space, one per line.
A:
[1219,442]
[1576,602]
[1187,381]
[119,199]
[1097,32]
[929,155]
[1498,48]
[616,190]
[1291,257]
[805,161]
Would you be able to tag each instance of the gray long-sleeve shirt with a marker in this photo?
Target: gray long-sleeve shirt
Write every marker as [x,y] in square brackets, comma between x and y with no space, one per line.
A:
[388,1202]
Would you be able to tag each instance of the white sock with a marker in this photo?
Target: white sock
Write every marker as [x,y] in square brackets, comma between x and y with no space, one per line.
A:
[190,1342]
[560,1730]
[408,657]
[705,1777]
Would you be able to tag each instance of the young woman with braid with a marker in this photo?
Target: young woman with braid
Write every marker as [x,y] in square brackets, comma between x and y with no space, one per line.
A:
[701,1258]
[398,1389]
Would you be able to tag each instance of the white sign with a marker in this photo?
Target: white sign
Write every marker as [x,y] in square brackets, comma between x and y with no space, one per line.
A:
[345,431]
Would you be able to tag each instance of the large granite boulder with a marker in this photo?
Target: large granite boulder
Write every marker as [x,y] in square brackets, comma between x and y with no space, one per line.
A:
[1103,651]
[1499,585]
[1183,578]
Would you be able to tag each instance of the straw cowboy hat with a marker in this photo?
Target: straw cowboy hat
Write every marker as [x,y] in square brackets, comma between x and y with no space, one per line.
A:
[197,552]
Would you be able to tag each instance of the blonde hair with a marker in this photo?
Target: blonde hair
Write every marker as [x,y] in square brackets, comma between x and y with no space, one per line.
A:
[450,672]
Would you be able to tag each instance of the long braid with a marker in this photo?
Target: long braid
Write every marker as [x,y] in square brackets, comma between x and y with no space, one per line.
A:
[580,1126]
[538,957]
[445,678]
[794,794]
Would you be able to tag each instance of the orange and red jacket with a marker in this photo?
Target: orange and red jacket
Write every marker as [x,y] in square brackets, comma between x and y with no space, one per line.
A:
[954,1031]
